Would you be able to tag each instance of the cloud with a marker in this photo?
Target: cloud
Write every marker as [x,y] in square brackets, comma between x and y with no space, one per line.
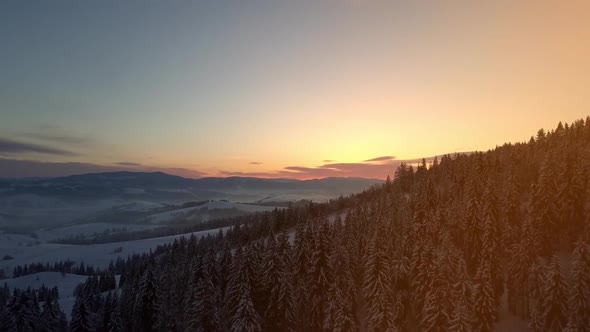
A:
[256,163]
[58,138]
[249,174]
[127,163]
[14,147]
[16,168]
[328,160]
[365,170]
[383,158]
[374,168]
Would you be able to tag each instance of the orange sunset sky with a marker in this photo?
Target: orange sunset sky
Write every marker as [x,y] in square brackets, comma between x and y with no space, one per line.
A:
[298,89]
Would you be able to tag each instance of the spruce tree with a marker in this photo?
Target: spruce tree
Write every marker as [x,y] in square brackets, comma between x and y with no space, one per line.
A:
[579,298]
[81,317]
[543,206]
[377,287]
[277,282]
[554,314]
[50,317]
[245,318]
[473,225]
[6,321]
[485,310]
[203,314]
[115,324]
[147,302]
[341,303]
[435,314]
[320,276]
[23,313]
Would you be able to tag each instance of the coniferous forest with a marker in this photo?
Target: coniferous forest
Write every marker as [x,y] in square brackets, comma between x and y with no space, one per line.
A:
[449,245]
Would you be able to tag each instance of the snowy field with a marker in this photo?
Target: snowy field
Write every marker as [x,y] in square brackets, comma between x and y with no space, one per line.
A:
[166,217]
[87,229]
[98,255]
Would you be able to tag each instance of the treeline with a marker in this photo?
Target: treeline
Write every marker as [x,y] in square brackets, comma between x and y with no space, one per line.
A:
[22,312]
[115,267]
[38,309]
[97,284]
[66,266]
[278,218]
[42,294]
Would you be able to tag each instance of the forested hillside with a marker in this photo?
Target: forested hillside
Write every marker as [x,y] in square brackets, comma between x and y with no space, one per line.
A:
[441,247]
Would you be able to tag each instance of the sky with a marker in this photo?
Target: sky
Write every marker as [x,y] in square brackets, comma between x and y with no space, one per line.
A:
[297,89]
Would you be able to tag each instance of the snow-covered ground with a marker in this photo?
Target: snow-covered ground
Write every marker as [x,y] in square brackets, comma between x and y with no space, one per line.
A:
[293,197]
[87,229]
[138,206]
[98,255]
[169,216]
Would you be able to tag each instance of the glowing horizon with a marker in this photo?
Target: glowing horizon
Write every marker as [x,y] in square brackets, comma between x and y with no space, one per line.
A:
[220,89]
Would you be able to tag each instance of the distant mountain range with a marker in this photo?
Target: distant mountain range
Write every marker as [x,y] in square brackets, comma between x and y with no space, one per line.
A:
[162,186]
[42,202]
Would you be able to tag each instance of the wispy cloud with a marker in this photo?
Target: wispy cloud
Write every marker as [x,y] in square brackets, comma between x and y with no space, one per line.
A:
[127,163]
[57,138]
[362,169]
[16,168]
[383,158]
[256,163]
[376,168]
[16,147]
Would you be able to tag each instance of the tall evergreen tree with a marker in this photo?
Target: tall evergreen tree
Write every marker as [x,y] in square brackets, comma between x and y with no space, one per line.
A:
[23,313]
[81,317]
[473,224]
[245,318]
[485,309]
[203,314]
[277,281]
[320,276]
[377,287]
[543,206]
[6,321]
[115,324]
[579,298]
[147,302]
[341,303]
[51,317]
[554,301]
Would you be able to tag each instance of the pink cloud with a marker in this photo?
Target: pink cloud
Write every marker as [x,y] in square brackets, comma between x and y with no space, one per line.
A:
[376,168]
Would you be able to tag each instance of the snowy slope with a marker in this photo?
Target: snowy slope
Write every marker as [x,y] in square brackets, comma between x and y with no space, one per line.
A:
[168,216]
[87,229]
[98,255]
